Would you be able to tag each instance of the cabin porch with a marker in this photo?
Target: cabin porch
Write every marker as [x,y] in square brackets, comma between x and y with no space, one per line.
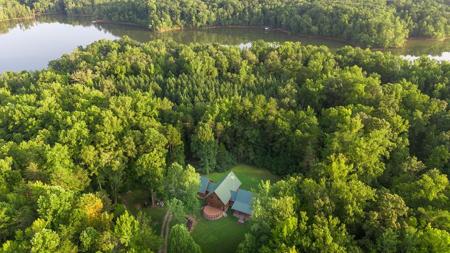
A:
[241,216]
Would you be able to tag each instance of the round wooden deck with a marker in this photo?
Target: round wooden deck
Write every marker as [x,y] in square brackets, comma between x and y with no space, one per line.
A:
[211,213]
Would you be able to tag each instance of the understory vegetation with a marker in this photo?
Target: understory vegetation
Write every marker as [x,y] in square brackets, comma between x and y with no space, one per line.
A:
[378,23]
[361,140]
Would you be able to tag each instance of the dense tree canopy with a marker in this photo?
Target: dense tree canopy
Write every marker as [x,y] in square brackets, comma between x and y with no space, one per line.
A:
[361,139]
[377,23]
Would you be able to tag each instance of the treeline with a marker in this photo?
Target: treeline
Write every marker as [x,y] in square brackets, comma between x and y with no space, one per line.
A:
[361,138]
[361,23]
[378,23]
[128,11]
[425,18]
[373,24]
[12,9]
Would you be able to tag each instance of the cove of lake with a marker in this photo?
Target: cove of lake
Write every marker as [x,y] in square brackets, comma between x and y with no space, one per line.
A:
[31,44]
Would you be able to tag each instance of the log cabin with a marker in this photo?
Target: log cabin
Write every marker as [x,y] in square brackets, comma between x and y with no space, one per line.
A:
[219,197]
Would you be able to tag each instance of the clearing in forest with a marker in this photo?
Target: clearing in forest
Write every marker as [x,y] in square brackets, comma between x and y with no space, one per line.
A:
[224,235]
[221,236]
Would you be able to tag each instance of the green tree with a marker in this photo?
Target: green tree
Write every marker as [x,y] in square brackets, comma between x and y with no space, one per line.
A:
[45,241]
[150,166]
[125,228]
[205,147]
[177,209]
[182,184]
[181,241]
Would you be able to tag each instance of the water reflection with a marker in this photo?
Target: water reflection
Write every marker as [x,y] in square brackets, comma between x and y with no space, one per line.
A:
[443,57]
[31,44]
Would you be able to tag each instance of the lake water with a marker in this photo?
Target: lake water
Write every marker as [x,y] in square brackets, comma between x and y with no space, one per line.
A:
[31,44]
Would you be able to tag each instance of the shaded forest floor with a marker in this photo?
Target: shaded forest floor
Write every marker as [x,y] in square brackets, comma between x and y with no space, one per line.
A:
[138,200]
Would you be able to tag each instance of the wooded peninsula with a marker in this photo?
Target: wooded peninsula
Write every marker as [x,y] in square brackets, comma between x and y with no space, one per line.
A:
[376,23]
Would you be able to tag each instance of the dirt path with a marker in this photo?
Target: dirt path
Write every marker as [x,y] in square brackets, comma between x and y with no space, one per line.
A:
[163,226]
[166,237]
[165,229]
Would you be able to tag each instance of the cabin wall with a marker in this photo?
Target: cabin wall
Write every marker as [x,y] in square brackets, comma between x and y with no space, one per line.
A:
[214,201]
[243,216]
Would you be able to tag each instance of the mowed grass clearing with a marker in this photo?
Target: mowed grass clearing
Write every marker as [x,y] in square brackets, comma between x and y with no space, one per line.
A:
[220,236]
[249,176]
[224,235]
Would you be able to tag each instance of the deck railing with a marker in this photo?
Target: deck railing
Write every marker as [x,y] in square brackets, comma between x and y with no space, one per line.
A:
[212,216]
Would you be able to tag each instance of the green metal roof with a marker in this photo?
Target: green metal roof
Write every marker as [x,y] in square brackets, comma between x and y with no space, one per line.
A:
[243,202]
[228,189]
[241,207]
[211,187]
[229,183]
[204,182]
[233,196]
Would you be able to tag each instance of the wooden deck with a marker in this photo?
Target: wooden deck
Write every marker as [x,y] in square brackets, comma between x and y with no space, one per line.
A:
[212,213]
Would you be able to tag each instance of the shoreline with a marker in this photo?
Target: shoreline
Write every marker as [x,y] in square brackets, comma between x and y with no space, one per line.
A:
[260,27]
[306,36]
[38,15]
[212,27]
[110,22]
[19,18]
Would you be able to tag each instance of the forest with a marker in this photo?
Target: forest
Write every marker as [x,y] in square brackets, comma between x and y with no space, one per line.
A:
[361,140]
[378,23]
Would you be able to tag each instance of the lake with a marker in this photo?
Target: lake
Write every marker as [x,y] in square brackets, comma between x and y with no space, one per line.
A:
[31,44]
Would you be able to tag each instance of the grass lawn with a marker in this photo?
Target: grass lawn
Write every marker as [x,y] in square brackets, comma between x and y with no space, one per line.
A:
[224,235]
[221,236]
[249,176]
